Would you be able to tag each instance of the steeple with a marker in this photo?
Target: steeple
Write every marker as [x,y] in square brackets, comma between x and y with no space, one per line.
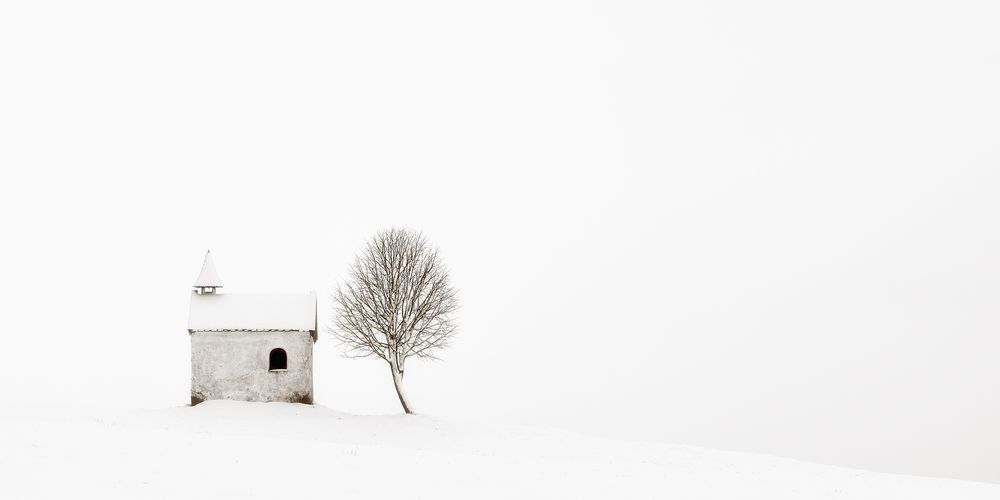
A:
[209,279]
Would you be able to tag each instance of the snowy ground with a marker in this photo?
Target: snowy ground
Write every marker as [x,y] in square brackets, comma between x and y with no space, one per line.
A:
[273,450]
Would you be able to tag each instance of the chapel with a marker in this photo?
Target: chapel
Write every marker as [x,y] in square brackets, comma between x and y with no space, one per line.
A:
[250,346]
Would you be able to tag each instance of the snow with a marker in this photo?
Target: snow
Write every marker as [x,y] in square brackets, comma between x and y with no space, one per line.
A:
[208,277]
[252,311]
[224,449]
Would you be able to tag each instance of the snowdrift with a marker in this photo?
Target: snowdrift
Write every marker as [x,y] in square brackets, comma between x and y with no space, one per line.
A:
[222,449]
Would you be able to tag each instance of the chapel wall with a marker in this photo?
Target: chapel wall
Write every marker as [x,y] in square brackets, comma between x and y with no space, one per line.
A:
[234,365]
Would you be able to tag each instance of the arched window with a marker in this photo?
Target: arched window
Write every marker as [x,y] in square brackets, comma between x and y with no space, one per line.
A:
[278,360]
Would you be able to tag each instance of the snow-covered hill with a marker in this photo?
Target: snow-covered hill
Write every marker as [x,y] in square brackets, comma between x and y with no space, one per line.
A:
[272,450]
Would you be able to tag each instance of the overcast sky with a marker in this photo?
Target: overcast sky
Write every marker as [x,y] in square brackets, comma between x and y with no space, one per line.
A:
[752,226]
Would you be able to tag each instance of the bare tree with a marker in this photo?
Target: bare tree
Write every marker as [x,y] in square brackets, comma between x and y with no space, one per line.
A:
[396,304]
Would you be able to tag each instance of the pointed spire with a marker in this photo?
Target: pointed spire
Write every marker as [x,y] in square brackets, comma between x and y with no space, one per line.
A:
[209,277]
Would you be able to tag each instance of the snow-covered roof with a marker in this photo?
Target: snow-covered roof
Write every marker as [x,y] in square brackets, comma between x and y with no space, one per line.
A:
[253,311]
[209,277]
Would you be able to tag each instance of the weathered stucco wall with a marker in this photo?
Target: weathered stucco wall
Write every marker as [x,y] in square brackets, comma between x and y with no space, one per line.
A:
[233,365]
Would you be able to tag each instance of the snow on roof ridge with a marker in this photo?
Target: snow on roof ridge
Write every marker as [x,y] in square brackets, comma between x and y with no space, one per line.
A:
[253,312]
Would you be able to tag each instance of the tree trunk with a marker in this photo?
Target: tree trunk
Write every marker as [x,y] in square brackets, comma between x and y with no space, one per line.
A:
[397,380]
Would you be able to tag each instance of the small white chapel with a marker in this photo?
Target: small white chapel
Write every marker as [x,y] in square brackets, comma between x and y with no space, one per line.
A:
[250,346]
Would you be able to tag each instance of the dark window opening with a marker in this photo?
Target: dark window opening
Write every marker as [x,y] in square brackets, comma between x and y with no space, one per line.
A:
[278,360]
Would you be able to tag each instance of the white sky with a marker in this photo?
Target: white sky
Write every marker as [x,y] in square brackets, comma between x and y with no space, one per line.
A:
[763,227]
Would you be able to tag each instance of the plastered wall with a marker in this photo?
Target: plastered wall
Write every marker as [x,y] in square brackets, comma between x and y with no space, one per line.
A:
[234,365]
